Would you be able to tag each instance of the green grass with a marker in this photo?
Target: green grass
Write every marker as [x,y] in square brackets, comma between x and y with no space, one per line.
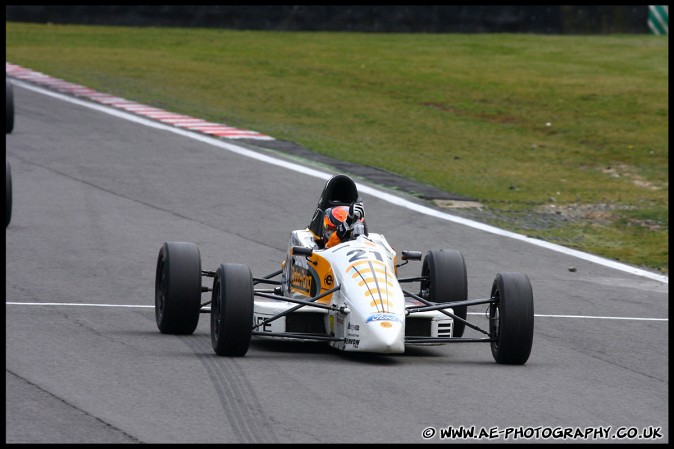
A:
[515,121]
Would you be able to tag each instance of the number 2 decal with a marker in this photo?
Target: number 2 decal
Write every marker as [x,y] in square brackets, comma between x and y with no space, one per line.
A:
[362,254]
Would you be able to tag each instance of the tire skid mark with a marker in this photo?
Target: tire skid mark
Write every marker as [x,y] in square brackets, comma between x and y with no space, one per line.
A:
[244,413]
[237,396]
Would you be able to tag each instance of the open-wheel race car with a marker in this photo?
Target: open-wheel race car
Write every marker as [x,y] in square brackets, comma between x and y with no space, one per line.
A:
[348,295]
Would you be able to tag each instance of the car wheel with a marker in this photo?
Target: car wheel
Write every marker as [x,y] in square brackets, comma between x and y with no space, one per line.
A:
[447,282]
[232,310]
[9,106]
[178,288]
[511,318]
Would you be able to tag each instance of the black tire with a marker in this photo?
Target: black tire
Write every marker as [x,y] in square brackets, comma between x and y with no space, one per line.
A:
[447,282]
[178,288]
[8,194]
[9,106]
[232,310]
[511,318]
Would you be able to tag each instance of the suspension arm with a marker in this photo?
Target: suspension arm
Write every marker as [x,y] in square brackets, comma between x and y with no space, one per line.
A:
[441,310]
[300,301]
[266,279]
[414,279]
[412,340]
[470,302]
[299,336]
[291,310]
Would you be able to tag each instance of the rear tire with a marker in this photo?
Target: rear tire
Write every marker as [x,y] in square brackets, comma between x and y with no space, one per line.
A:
[232,310]
[178,288]
[511,318]
[447,282]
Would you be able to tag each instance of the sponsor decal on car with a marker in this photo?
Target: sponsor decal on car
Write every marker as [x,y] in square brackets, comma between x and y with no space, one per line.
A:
[352,341]
[259,319]
[301,280]
[312,275]
[377,317]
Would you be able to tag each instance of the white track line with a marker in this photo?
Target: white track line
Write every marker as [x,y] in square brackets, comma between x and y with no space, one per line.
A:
[75,304]
[590,317]
[131,306]
[396,200]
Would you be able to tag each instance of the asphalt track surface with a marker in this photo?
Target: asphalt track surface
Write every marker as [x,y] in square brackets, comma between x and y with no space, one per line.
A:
[95,196]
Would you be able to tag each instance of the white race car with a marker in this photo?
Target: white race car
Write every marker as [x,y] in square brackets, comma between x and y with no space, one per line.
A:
[349,295]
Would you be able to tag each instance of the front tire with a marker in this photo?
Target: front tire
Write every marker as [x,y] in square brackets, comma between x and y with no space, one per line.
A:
[178,288]
[511,318]
[232,310]
[447,282]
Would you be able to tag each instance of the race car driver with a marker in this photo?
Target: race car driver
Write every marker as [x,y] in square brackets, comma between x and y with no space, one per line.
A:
[338,221]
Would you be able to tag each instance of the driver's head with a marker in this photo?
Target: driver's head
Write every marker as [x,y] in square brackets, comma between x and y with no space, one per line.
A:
[331,220]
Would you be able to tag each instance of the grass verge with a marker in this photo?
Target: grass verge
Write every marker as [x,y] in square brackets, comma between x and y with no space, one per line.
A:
[564,138]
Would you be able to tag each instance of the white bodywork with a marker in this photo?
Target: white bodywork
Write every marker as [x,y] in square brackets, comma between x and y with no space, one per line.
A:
[372,316]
